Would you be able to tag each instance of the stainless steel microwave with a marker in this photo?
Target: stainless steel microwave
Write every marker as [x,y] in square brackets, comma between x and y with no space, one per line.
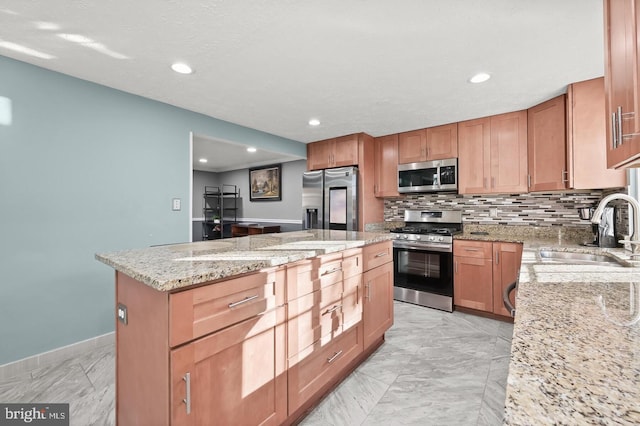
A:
[428,176]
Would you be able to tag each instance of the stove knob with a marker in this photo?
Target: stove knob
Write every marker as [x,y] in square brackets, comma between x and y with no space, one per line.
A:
[440,238]
[405,237]
[417,237]
[431,238]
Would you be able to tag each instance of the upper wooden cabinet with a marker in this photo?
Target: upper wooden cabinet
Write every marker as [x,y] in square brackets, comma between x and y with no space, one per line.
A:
[386,166]
[621,22]
[547,145]
[586,136]
[492,154]
[336,152]
[434,143]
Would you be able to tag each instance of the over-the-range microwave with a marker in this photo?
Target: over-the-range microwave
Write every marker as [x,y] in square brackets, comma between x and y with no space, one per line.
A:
[428,176]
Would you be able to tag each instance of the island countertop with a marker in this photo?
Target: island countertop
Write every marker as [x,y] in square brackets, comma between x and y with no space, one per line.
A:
[575,355]
[175,266]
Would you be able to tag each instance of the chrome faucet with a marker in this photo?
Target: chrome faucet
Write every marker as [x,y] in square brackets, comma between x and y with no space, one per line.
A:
[597,216]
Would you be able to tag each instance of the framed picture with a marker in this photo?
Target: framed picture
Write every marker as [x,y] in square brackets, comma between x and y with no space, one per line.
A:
[265,183]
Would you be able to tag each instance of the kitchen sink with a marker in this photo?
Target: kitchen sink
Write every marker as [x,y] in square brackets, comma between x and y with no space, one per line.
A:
[549,256]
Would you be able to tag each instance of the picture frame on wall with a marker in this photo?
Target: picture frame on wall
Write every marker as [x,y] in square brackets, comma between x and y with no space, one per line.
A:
[265,183]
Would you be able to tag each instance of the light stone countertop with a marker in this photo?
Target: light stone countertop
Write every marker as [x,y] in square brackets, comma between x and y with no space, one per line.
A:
[173,267]
[572,362]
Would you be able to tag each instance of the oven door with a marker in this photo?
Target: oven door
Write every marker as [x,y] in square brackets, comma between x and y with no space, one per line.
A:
[424,270]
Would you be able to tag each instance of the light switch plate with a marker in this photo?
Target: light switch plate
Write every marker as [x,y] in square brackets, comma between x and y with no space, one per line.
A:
[175,204]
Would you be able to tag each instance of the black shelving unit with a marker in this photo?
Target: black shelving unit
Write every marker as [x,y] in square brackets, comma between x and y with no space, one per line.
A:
[220,211]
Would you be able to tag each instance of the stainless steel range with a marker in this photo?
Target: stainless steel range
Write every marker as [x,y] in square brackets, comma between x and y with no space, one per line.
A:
[423,258]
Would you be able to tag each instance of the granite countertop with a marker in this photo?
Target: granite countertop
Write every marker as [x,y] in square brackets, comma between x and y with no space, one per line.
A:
[173,267]
[575,354]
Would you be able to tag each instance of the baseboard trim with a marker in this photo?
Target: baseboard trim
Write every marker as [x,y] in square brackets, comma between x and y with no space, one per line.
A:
[26,365]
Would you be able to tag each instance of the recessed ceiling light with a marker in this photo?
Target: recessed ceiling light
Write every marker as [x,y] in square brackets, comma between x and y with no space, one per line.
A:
[251,149]
[314,122]
[181,68]
[481,77]
[203,160]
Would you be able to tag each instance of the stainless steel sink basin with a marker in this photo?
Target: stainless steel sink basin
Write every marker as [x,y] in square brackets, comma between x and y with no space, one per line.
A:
[577,258]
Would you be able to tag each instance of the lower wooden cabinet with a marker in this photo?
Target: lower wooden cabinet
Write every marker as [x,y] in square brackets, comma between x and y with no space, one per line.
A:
[378,302]
[482,270]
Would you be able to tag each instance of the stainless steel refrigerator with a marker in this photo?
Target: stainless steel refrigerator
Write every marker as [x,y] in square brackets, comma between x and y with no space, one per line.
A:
[330,199]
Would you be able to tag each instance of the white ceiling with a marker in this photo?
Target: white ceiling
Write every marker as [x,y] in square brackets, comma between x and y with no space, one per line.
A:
[374,66]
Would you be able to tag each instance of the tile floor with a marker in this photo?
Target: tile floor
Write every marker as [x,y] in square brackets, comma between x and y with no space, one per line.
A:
[435,368]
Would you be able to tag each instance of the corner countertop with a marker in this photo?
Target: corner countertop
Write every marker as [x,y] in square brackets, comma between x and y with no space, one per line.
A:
[175,266]
[573,361]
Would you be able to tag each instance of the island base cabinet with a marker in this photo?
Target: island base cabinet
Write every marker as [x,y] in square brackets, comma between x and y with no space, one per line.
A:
[236,376]
[311,370]
[378,302]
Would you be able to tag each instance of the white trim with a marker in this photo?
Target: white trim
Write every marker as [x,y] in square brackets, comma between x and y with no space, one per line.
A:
[191,185]
[259,220]
[26,365]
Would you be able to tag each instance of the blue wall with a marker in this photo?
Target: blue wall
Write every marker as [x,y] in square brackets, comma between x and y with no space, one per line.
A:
[85,169]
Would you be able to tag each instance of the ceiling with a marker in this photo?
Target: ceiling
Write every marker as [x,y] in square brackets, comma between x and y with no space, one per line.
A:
[373,66]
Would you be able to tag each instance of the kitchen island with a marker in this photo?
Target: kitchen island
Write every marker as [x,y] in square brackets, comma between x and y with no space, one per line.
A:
[249,330]
[575,354]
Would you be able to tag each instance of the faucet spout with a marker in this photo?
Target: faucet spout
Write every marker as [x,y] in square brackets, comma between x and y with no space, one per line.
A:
[634,212]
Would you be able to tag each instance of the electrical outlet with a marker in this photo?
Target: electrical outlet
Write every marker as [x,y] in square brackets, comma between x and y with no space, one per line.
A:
[122,313]
[493,212]
[175,204]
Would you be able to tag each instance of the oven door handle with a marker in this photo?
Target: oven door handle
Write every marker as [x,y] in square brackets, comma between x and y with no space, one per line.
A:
[443,249]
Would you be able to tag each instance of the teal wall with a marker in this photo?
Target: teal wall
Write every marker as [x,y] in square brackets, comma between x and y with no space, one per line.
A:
[85,169]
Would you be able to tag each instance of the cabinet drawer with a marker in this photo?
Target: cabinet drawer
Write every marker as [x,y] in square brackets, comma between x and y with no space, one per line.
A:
[477,249]
[317,366]
[302,278]
[352,263]
[314,317]
[203,310]
[378,254]
[330,269]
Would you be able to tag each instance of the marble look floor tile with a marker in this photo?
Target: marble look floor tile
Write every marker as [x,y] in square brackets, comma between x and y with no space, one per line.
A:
[386,363]
[349,404]
[100,366]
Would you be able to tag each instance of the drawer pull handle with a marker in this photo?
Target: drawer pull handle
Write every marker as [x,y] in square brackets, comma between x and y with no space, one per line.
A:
[471,249]
[333,358]
[245,300]
[331,271]
[187,399]
[382,253]
[335,308]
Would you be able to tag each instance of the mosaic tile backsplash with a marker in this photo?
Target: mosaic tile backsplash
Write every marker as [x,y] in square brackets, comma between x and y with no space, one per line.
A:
[534,209]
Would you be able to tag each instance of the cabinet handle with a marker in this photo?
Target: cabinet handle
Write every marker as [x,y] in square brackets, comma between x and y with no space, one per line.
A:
[336,355]
[528,181]
[187,399]
[484,183]
[471,249]
[564,176]
[455,267]
[493,182]
[335,308]
[368,287]
[497,257]
[614,133]
[245,300]
[331,271]
[619,124]
[382,253]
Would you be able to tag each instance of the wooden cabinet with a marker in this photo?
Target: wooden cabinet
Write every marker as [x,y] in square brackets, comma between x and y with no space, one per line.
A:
[621,22]
[482,270]
[336,152]
[586,137]
[433,143]
[386,166]
[378,291]
[506,268]
[492,154]
[547,145]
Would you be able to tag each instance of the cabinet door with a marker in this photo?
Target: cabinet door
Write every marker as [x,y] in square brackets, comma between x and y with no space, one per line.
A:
[235,376]
[412,146]
[386,166]
[586,121]
[472,283]
[474,156]
[378,302]
[345,151]
[506,268]
[442,142]
[319,154]
[546,128]
[509,152]
[621,79]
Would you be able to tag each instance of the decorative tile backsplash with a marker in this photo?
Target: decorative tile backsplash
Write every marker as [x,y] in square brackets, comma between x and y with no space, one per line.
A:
[537,209]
